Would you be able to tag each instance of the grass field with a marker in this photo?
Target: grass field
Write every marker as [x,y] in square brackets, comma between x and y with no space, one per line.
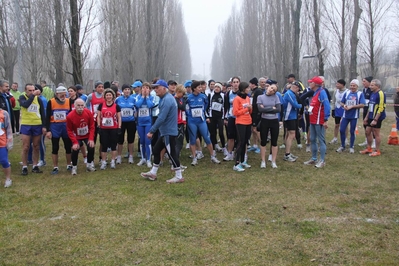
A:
[344,214]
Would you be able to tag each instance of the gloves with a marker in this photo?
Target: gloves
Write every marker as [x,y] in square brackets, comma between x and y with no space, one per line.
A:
[333,113]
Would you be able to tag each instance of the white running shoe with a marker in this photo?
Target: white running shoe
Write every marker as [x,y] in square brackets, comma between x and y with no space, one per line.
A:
[131,161]
[215,160]
[175,180]
[118,160]
[188,146]
[112,164]
[200,155]
[340,149]
[149,164]
[85,160]
[270,158]
[263,165]
[300,146]
[90,167]
[8,183]
[363,143]
[334,141]
[41,163]
[308,148]
[103,165]
[351,150]
[373,144]
[142,162]
[229,157]
[282,146]
[74,170]
[274,165]
[194,162]
[238,168]
[320,164]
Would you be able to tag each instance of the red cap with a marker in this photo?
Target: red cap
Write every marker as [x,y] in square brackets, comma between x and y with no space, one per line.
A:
[317,80]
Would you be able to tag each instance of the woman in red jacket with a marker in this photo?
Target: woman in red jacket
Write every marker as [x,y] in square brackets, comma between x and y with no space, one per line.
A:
[242,110]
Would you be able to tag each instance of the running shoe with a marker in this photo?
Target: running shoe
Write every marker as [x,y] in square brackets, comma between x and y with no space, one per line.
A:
[366,151]
[149,176]
[175,180]
[238,168]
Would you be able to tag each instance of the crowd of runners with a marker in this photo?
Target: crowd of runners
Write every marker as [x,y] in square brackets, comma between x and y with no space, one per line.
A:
[231,118]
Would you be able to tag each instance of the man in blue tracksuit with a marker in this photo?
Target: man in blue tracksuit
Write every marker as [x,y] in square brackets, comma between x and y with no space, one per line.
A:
[167,126]
[291,108]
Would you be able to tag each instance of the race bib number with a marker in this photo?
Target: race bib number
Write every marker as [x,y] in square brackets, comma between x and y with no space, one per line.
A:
[367,102]
[83,131]
[197,112]
[371,108]
[216,106]
[143,112]
[183,116]
[350,102]
[108,122]
[33,108]
[127,112]
[95,108]
[310,109]
[59,115]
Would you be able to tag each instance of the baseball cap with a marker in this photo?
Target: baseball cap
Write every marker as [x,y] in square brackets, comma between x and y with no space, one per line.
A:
[317,80]
[160,82]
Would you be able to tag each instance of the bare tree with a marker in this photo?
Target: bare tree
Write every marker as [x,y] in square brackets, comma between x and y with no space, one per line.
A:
[8,51]
[354,40]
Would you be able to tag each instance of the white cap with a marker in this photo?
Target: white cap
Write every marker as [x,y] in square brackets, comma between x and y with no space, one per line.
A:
[355,81]
[61,89]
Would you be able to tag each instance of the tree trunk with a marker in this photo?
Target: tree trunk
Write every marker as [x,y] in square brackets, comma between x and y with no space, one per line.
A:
[354,40]
[75,49]
[316,15]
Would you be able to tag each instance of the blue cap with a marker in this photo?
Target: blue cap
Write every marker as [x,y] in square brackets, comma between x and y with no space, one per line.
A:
[162,83]
[137,84]
[188,83]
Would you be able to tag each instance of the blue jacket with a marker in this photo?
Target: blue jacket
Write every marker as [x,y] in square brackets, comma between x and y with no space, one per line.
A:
[144,107]
[291,106]
[127,105]
[167,118]
[196,107]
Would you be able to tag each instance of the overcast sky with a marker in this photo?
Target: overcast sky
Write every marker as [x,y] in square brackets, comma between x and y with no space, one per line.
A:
[202,19]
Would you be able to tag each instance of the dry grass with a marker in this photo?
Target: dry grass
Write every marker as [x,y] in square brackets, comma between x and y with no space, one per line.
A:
[344,214]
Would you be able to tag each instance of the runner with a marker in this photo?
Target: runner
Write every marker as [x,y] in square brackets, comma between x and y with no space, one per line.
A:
[81,129]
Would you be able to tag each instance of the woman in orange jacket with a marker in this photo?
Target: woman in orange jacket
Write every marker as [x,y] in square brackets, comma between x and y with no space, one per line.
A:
[242,110]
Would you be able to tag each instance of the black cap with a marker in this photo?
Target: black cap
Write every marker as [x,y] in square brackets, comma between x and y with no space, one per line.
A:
[369,78]
[254,81]
[78,87]
[172,82]
[290,76]
[38,87]
[271,82]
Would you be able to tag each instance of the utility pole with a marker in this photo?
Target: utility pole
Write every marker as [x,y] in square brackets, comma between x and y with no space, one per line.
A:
[19,44]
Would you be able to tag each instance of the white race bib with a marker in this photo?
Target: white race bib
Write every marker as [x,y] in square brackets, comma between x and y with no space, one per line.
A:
[197,112]
[33,108]
[143,112]
[217,106]
[59,115]
[350,102]
[371,108]
[183,116]
[367,102]
[83,131]
[95,108]
[108,122]
[310,109]
[127,112]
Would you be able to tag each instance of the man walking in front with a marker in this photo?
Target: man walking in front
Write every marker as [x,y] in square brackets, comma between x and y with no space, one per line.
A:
[166,123]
